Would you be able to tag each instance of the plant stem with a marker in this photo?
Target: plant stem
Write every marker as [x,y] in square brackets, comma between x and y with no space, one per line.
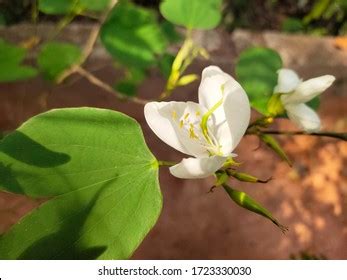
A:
[96,81]
[89,46]
[166,163]
[342,135]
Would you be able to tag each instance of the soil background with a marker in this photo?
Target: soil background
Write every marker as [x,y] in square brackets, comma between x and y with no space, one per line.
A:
[310,198]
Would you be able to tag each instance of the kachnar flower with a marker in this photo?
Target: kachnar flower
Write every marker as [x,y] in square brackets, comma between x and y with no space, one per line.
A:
[295,93]
[207,131]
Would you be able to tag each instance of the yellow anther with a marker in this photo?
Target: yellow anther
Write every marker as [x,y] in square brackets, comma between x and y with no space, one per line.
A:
[174,114]
[186,116]
[181,123]
[197,113]
[192,134]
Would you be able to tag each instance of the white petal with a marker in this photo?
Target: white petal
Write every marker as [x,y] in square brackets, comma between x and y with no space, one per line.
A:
[306,118]
[287,81]
[309,89]
[194,168]
[210,89]
[238,113]
[215,85]
[163,119]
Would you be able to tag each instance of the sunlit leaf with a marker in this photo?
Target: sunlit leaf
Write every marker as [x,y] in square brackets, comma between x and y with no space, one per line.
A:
[193,14]
[100,180]
[11,68]
[55,57]
[256,70]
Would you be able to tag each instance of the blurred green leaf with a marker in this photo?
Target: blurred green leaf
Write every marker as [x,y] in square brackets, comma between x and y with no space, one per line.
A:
[245,201]
[256,71]
[98,179]
[292,25]
[132,36]
[193,14]
[11,58]
[61,7]
[165,64]
[272,143]
[170,32]
[133,78]
[317,11]
[55,57]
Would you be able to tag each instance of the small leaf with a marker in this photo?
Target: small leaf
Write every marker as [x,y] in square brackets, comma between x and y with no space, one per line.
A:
[193,14]
[245,201]
[132,35]
[55,57]
[256,71]
[11,58]
[272,143]
[97,176]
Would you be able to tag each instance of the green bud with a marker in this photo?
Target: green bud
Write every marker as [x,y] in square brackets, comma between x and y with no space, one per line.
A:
[245,201]
[272,143]
[187,79]
[245,177]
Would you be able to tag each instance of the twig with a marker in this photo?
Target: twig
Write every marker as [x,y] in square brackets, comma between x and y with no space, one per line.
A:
[342,136]
[89,46]
[96,81]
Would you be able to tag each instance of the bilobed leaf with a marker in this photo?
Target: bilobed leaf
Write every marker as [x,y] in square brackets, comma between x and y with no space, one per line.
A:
[132,35]
[11,68]
[99,179]
[245,201]
[256,70]
[55,57]
[193,14]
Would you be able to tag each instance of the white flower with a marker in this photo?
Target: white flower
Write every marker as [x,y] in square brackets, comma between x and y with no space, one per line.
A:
[208,131]
[296,92]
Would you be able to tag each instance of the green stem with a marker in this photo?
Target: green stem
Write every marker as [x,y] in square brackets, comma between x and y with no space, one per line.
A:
[166,163]
[337,135]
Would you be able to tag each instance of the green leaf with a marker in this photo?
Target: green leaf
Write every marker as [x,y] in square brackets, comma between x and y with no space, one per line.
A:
[100,180]
[55,57]
[272,143]
[193,14]
[132,36]
[314,103]
[11,58]
[292,25]
[62,7]
[133,78]
[245,201]
[165,64]
[256,71]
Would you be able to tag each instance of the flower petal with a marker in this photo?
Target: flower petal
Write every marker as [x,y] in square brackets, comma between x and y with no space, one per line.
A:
[164,118]
[210,89]
[238,113]
[287,81]
[215,85]
[306,118]
[194,168]
[309,89]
